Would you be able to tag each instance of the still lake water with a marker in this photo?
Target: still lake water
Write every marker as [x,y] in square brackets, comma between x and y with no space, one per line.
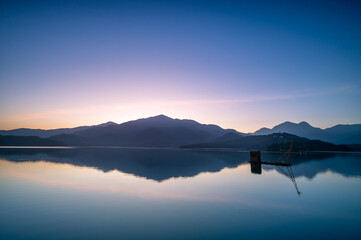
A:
[112,193]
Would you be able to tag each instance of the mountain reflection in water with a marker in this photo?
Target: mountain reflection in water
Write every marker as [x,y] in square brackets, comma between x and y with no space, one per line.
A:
[162,164]
[83,193]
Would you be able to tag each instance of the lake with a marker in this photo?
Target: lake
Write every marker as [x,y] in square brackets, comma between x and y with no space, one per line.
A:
[117,193]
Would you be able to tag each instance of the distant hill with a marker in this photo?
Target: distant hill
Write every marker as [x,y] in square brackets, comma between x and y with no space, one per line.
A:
[344,134]
[28,141]
[228,137]
[69,140]
[158,131]
[47,133]
[272,142]
[163,131]
[339,134]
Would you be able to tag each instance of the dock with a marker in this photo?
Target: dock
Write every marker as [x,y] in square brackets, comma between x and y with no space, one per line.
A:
[272,163]
[256,164]
[255,159]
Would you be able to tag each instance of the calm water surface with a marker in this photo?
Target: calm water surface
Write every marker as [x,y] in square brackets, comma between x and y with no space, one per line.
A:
[170,194]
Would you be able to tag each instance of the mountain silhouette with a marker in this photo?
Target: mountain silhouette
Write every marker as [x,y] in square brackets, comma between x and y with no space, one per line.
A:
[163,131]
[28,141]
[228,137]
[272,142]
[339,134]
[158,131]
[46,133]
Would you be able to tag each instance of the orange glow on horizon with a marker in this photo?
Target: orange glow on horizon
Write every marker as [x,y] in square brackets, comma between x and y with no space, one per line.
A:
[240,114]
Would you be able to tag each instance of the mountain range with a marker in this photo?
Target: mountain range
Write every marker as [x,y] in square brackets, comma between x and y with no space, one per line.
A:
[158,131]
[48,133]
[162,131]
[339,134]
[272,142]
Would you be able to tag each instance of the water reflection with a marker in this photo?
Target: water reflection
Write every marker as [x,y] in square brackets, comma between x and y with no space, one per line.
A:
[172,194]
[283,167]
[256,167]
[154,164]
[160,164]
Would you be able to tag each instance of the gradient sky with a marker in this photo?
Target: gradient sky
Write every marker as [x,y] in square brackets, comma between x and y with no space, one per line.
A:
[237,64]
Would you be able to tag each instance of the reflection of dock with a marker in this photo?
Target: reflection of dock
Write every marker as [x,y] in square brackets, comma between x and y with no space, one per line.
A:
[291,176]
[256,165]
[274,163]
[256,158]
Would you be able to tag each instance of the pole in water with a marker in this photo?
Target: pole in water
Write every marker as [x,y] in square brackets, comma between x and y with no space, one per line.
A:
[255,160]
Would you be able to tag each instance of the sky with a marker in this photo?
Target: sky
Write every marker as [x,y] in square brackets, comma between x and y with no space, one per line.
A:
[238,64]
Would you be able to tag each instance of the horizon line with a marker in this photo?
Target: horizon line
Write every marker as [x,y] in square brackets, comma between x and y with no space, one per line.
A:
[110,121]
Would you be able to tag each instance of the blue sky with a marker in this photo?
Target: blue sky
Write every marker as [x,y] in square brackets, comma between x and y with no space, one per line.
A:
[236,64]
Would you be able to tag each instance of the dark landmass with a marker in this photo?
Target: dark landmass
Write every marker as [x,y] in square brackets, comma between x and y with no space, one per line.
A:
[159,131]
[153,131]
[69,139]
[228,137]
[273,142]
[40,132]
[355,147]
[48,133]
[339,134]
[28,141]
[162,131]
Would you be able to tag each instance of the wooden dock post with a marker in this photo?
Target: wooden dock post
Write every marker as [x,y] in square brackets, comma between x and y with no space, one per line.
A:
[256,163]
[255,156]
[255,160]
